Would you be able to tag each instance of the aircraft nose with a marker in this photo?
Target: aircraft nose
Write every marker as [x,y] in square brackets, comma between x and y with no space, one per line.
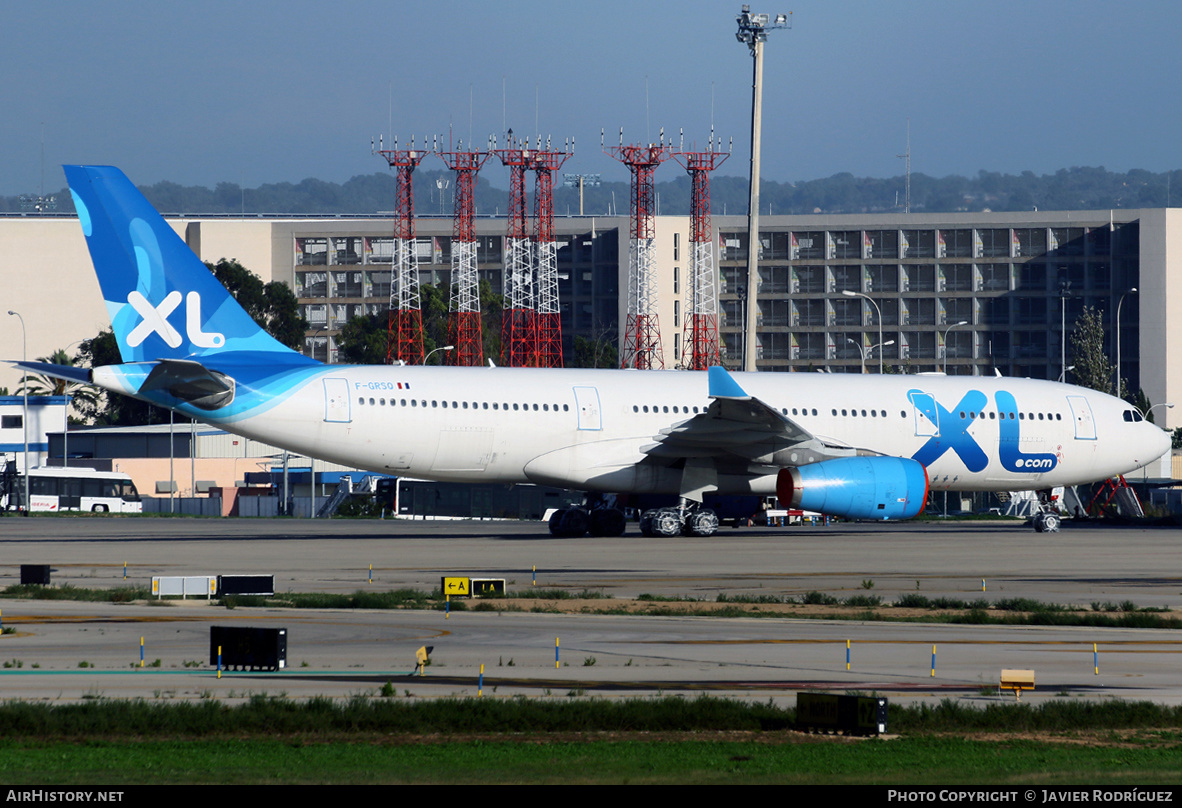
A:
[1162,442]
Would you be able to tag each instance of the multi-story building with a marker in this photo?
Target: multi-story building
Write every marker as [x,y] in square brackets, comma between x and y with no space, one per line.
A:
[965,293]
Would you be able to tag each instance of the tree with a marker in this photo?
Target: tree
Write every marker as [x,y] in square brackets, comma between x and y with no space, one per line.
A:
[597,353]
[363,340]
[1092,368]
[37,384]
[273,306]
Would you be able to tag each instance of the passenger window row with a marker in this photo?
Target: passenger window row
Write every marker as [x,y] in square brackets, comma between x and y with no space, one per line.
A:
[463,405]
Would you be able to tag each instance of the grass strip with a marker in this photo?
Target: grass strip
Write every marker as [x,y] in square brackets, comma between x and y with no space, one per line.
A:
[910,761]
[1007,612]
[120,594]
[321,716]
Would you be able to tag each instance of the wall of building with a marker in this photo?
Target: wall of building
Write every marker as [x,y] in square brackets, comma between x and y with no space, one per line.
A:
[248,241]
[46,414]
[47,277]
[1159,300]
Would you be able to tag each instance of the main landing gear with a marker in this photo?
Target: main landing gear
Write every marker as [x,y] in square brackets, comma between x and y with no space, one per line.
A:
[603,519]
[697,521]
[575,522]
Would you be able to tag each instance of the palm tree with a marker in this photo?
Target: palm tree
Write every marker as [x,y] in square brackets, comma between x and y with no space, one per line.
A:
[38,384]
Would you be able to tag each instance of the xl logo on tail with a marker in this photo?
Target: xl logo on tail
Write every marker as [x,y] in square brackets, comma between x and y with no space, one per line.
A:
[156,321]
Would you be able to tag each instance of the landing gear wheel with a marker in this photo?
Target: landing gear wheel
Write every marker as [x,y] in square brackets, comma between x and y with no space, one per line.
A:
[568,523]
[702,522]
[608,522]
[661,522]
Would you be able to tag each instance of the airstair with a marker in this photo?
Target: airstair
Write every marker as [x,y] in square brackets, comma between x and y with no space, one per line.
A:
[1115,497]
[344,490]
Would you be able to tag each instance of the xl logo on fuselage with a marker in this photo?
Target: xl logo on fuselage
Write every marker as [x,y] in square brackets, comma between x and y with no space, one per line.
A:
[156,321]
[1013,459]
[952,432]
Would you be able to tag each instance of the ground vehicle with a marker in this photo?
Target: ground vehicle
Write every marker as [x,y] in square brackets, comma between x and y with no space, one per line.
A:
[72,489]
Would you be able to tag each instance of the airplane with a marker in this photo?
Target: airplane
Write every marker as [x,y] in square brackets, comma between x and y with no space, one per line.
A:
[862,447]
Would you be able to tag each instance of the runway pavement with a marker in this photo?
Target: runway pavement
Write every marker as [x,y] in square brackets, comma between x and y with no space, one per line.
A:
[355,652]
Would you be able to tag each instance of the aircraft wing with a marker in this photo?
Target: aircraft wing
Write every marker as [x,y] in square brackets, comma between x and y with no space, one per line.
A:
[735,425]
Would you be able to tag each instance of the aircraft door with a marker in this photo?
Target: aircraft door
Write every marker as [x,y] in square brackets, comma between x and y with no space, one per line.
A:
[927,417]
[1085,425]
[587,402]
[336,401]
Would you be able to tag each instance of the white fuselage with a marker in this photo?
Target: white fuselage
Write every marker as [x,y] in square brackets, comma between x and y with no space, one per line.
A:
[588,429]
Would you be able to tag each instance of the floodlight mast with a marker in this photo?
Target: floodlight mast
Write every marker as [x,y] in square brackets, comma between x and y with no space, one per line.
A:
[753,30]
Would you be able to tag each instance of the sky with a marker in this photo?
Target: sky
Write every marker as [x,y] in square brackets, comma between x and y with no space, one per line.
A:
[264,92]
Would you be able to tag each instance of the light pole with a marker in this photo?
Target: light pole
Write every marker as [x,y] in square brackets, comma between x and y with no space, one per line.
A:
[25,415]
[66,419]
[946,330]
[878,311]
[861,352]
[1064,290]
[1168,405]
[752,31]
[443,348]
[1132,291]
[870,350]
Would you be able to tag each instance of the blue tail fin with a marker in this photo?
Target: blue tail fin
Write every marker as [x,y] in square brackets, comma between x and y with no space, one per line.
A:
[162,301]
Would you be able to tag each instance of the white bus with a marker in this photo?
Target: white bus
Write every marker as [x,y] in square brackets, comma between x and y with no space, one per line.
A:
[70,489]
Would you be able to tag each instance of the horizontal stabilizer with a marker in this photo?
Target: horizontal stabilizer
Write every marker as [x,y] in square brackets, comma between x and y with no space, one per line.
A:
[67,372]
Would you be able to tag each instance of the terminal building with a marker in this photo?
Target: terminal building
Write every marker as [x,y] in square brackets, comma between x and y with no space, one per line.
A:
[965,293]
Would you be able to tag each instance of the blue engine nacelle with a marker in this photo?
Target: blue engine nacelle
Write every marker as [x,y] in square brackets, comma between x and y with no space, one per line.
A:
[856,487]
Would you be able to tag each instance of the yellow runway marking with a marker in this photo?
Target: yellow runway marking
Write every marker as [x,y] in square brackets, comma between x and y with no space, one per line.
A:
[1087,643]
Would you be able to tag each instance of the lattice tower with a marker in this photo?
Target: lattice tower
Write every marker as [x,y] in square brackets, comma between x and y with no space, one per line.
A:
[642,333]
[518,345]
[404,339]
[700,340]
[548,327]
[464,311]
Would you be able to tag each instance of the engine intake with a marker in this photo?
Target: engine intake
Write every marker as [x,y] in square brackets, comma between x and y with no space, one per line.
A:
[856,487]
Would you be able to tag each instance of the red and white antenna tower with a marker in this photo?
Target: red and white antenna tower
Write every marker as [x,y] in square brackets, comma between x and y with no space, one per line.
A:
[464,311]
[642,333]
[517,328]
[548,325]
[405,337]
[701,297]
